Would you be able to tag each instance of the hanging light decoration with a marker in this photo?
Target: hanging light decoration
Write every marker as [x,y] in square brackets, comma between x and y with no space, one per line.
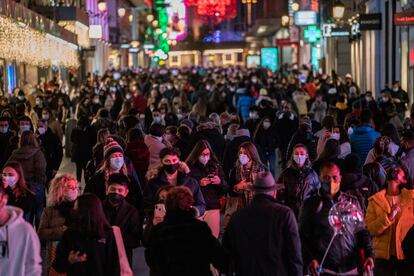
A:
[101,5]
[214,11]
[30,46]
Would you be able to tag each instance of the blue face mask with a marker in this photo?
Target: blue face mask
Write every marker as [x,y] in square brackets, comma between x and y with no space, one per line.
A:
[157,120]
[24,128]
[4,130]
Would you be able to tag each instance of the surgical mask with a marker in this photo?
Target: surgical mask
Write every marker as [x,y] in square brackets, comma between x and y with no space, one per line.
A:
[117,163]
[266,125]
[171,168]
[204,159]
[395,89]
[335,136]
[70,195]
[254,80]
[45,116]
[180,117]
[38,102]
[128,96]
[244,159]
[115,199]
[41,130]
[350,131]
[4,130]
[368,98]
[9,180]
[20,98]
[299,159]
[253,115]
[95,101]
[157,120]
[24,128]
[385,99]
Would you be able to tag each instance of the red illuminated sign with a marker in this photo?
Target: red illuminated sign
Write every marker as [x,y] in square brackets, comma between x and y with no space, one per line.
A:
[404,18]
[411,57]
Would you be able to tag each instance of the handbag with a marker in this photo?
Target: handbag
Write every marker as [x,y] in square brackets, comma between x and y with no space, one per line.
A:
[124,267]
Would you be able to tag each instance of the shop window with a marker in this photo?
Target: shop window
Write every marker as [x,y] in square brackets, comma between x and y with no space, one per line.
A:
[228,57]
[239,57]
[174,59]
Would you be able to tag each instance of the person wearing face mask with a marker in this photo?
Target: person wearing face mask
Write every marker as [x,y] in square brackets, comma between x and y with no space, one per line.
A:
[58,215]
[6,137]
[25,124]
[175,173]
[54,125]
[298,181]
[254,119]
[387,107]
[389,218]
[242,175]
[52,148]
[15,186]
[122,214]
[265,138]
[400,99]
[115,162]
[344,257]
[206,169]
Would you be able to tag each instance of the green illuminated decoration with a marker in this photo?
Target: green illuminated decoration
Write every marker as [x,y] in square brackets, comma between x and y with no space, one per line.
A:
[312,34]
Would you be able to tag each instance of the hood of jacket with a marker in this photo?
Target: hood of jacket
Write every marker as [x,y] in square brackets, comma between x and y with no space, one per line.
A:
[25,152]
[16,215]
[151,140]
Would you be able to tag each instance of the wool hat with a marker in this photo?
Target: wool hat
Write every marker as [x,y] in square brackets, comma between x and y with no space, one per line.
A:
[110,147]
[264,182]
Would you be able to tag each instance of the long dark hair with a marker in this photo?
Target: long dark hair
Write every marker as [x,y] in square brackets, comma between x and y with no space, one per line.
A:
[201,145]
[252,153]
[91,221]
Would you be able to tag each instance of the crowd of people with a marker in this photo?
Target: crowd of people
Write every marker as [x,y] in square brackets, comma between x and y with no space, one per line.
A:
[227,171]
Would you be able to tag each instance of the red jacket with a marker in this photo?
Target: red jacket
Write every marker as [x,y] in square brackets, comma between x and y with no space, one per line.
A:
[139,103]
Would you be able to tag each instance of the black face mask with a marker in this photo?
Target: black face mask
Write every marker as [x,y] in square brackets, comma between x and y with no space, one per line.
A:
[171,169]
[115,199]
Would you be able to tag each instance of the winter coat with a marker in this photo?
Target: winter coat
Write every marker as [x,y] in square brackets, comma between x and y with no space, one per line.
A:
[211,193]
[53,151]
[286,124]
[295,185]
[358,185]
[379,224]
[266,139]
[319,110]
[102,255]
[244,102]
[23,255]
[128,219]
[183,245]
[362,140]
[33,163]
[138,153]
[26,202]
[263,239]
[5,147]
[160,181]
[154,146]
[316,233]
[82,143]
[300,98]
[408,164]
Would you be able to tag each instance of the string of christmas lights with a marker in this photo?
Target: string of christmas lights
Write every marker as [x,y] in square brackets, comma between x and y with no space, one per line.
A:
[23,44]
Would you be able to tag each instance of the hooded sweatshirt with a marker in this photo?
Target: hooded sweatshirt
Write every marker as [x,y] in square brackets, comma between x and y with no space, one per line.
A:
[33,163]
[23,257]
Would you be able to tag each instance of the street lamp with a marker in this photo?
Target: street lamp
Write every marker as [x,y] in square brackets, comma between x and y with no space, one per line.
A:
[121,12]
[101,5]
[150,17]
[285,20]
[295,6]
[338,10]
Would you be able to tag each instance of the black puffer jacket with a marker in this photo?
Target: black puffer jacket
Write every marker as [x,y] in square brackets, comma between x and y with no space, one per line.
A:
[211,192]
[296,185]
[316,233]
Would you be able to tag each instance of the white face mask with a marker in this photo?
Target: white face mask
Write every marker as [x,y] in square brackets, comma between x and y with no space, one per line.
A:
[204,159]
[299,159]
[9,180]
[266,125]
[335,136]
[395,89]
[244,159]
[350,131]
[253,115]
[385,99]
[45,116]
[71,195]
[117,163]
[41,130]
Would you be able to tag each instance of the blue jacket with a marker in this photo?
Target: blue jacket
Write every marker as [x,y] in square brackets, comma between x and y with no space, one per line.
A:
[243,104]
[362,140]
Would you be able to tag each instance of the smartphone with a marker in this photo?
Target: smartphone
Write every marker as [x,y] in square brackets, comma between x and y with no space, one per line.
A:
[159,210]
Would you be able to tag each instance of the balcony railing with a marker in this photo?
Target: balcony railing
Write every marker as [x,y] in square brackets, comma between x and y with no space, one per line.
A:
[36,21]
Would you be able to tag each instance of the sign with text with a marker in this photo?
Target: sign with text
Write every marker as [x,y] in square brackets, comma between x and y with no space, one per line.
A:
[404,18]
[370,22]
[330,30]
[270,58]
[305,18]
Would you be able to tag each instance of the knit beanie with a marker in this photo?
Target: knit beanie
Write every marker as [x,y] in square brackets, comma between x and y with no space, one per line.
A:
[110,147]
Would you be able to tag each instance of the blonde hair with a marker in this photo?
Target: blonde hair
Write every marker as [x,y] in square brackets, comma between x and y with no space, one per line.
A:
[55,195]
